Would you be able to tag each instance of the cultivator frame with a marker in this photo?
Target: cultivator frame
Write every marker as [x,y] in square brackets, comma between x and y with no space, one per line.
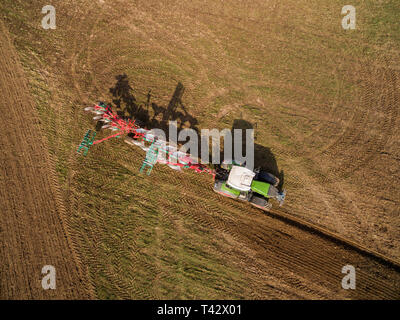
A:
[159,151]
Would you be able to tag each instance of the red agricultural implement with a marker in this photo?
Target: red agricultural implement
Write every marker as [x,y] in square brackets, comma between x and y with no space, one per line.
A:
[157,151]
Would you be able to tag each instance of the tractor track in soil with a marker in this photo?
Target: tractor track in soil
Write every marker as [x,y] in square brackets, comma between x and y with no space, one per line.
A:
[377,94]
[211,215]
[33,231]
[282,255]
[269,241]
[290,255]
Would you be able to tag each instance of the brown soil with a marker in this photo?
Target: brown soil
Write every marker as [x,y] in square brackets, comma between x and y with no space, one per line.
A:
[328,113]
[32,230]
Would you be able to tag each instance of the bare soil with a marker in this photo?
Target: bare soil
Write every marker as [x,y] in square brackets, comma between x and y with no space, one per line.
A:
[324,104]
[33,232]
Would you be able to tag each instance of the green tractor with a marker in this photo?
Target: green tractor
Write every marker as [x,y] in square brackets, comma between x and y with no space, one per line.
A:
[256,187]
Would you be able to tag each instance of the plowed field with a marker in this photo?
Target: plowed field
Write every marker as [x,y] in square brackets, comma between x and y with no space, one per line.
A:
[324,103]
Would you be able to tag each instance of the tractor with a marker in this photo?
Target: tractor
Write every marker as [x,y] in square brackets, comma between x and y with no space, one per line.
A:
[257,187]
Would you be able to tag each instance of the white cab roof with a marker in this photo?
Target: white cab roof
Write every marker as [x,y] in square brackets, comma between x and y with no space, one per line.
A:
[240,178]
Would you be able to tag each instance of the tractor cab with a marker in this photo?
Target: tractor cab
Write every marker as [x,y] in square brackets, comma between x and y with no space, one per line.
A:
[244,184]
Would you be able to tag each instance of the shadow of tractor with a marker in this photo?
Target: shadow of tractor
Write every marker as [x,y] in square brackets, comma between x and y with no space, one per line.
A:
[149,114]
[263,156]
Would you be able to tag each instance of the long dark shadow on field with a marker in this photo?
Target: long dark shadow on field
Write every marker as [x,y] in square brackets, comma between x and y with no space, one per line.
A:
[263,156]
[149,114]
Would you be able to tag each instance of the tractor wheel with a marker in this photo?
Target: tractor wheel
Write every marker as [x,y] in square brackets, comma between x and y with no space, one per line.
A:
[260,202]
[268,177]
